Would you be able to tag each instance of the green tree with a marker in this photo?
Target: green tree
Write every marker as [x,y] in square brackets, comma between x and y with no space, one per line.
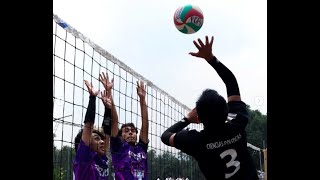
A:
[152,164]
[257,133]
[62,162]
[172,164]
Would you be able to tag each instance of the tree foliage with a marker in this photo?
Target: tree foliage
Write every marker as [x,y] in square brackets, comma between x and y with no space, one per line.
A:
[257,134]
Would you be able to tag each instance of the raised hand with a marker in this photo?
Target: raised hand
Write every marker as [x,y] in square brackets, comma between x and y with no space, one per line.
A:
[205,50]
[91,89]
[193,116]
[141,89]
[105,81]
[106,99]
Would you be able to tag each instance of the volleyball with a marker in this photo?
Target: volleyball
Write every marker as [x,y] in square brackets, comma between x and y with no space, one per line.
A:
[188,19]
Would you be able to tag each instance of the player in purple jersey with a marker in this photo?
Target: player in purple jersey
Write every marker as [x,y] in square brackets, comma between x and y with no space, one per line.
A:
[91,162]
[129,158]
[221,147]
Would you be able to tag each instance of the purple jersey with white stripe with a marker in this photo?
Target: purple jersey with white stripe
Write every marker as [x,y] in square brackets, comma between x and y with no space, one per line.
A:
[130,162]
[88,165]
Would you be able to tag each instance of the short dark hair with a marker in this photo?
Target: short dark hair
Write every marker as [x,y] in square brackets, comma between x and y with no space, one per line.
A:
[127,125]
[79,135]
[212,109]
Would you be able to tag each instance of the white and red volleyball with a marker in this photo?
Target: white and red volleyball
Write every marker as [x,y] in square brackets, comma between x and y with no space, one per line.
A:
[188,19]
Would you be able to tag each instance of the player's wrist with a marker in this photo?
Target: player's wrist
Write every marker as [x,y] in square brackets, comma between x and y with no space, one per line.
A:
[185,120]
[210,58]
[106,123]
[213,60]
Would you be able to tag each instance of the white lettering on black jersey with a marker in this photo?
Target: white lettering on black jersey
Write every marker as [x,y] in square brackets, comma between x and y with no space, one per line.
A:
[220,144]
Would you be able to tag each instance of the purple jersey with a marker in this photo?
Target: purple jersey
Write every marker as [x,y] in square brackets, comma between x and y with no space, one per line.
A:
[88,165]
[130,162]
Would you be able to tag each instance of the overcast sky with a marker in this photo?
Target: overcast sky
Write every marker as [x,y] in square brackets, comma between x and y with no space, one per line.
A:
[142,34]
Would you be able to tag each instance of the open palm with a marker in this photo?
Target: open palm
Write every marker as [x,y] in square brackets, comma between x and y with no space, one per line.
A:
[106,99]
[141,89]
[104,79]
[205,50]
[91,89]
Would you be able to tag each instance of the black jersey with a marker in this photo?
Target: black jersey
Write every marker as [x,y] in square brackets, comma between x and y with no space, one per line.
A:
[222,154]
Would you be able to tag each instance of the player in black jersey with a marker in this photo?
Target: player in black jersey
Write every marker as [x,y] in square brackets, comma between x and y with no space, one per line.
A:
[221,147]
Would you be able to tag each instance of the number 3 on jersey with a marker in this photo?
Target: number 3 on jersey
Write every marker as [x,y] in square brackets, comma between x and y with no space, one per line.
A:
[232,162]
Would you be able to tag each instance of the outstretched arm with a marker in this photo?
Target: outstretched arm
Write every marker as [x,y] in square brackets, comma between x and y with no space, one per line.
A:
[90,114]
[104,79]
[115,121]
[205,52]
[107,119]
[141,91]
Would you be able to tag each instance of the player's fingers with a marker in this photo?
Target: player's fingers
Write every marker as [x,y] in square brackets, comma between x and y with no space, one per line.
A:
[211,41]
[194,54]
[196,44]
[200,42]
